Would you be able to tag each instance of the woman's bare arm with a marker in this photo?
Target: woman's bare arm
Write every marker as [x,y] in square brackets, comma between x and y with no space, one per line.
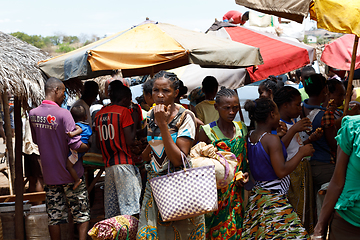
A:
[202,137]
[333,192]
[273,147]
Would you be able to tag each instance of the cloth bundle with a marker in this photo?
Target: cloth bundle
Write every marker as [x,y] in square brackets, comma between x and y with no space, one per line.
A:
[109,228]
[207,155]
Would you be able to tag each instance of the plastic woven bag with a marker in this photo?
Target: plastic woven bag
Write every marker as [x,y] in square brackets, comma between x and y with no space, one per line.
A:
[185,193]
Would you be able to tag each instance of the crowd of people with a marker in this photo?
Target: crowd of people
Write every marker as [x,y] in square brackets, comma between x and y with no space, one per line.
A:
[297,143]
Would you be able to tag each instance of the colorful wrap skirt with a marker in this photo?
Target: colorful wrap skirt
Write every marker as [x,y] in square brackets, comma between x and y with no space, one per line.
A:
[301,195]
[270,216]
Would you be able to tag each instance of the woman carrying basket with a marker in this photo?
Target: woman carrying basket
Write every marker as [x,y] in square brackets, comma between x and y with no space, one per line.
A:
[171,131]
[227,135]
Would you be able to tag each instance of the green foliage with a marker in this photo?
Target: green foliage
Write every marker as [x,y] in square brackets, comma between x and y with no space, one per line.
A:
[55,40]
[64,48]
[35,40]
[87,42]
[306,41]
[47,41]
[62,42]
[70,39]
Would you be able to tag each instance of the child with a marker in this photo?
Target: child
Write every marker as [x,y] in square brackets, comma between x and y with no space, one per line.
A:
[227,135]
[268,87]
[323,161]
[336,98]
[300,195]
[205,110]
[83,129]
[269,214]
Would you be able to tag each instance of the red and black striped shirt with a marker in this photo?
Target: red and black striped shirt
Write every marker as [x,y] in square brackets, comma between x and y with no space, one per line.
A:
[109,124]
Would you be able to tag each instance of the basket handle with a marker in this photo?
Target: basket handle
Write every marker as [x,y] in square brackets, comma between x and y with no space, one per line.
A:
[183,156]
[226,165]
[127,232]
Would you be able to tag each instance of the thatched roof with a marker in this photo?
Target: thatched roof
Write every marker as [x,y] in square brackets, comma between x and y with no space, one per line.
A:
[19,73]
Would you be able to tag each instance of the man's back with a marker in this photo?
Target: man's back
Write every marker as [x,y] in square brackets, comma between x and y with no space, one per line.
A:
[109,124]
[206,111]
[49,124]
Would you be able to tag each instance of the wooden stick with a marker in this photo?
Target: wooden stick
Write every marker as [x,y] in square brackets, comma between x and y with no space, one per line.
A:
[351,76]
[19,178]
[240,112]
[32,197]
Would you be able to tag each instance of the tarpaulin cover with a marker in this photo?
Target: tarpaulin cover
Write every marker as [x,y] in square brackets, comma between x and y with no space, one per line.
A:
[333,15]
[280,55]
[192,76]
[340,16]
[149,48]
[295,10]
[338,53]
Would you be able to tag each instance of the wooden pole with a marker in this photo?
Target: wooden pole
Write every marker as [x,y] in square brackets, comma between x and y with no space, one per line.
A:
[152,72]
[9,144]
[19,178]
[240,112]
[351,76]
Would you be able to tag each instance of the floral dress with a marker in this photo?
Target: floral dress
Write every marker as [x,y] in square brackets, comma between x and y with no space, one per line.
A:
[226,222]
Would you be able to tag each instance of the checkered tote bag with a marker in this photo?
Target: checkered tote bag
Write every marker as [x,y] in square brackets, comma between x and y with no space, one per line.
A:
[185,193]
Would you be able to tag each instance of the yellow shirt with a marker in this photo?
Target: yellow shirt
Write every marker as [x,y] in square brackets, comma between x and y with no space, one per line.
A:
[206,112]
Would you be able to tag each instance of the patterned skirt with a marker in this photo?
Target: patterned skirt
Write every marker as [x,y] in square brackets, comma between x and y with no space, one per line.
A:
[301,195]
[122,190]
[270,216]
[226,222]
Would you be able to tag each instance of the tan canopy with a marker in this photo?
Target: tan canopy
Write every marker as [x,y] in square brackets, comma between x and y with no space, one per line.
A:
[149,48]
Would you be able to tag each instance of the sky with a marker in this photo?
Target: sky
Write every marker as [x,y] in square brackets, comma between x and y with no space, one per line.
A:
[101,18]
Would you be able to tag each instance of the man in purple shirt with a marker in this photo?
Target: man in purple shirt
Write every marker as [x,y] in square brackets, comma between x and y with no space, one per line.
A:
[49,124]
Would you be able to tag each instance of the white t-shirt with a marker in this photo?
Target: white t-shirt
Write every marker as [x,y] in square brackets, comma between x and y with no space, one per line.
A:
[295,142]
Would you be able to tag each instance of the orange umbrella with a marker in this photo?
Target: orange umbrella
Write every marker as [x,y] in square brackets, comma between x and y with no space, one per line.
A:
[149,48]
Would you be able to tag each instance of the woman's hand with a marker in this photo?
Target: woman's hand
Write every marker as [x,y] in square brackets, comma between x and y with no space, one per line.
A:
[316,135]
[161,114]
[331,106]
[282,129]
[318,235]
[354,108]
[307,150]
[302,125]
[242,181]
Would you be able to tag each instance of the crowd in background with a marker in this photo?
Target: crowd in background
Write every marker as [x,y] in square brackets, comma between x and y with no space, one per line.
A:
[298,145]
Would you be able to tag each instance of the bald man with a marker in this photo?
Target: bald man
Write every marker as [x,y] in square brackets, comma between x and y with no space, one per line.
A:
[49,124]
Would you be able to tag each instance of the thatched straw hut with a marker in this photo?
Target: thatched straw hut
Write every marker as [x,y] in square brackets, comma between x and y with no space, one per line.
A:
[19,73]
[20,76]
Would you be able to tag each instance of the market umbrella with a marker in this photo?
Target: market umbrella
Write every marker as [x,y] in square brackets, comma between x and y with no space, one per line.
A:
[338,53]
[192,76]
[334,15]
[280,55]
[149,48]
